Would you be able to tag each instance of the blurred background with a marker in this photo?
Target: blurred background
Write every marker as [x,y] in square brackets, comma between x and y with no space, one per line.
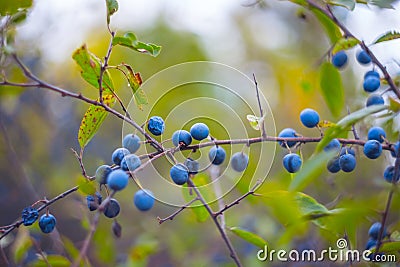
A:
[279,42]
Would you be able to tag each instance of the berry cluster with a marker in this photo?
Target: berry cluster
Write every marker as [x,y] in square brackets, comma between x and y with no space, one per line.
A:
[47,221]
[373,234]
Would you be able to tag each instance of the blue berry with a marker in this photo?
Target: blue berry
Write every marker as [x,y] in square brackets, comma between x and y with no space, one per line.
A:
[371,73]
[192,165]
[388,174]
[372,149]
[309,118]
[199,131]
[29,216]
[292,162]
[333,145]
[347,150]
[179,174]
[375,99]
[112,208]
[371,84]
[376,133]
[102,173]
[239,161]
[396,148]
[130,162]
[374,230]
[181,137]
[217,155]
[47,222]
[371,243]
[339,59]
[93,202]
[143,200]
[118,180]
[333,165]
[131,142]
[287,132]
[363,57]
[156,125]
[347,162]
[119,154]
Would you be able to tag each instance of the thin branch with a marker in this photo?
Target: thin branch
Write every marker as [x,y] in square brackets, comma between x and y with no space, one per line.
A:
[263,132]
[172,216]
[80,160]
[104,67]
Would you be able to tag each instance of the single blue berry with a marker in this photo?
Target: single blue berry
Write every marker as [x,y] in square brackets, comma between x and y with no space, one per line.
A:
[347,150]
[179,174]
[93,202]
[309,118]
[375,99]
[371,73]
[181,137]
[143,200]
[130,162]
[29,216]
[199,131]
[117,180]
[131,142]
[376,133]
[192,165]
[156,125]
[292,162]
[102,173]
[363,57]
[112,208]
[388,174]
[372,149]
[370,244]
[119,154]
[333,145]
[333,165]
[287,132]
[339,59]
[374,230]
[396,148]
[371,84]
[347,162]
[47,222]
[239,161]
[217,155]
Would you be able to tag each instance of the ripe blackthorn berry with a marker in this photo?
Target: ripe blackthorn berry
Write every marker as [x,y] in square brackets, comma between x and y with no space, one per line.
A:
[347,150]
[216,155]
[376,133]
[371,84]
[333,165]
[309,118]
[333,145]
[131,142]
[112,208]
[339,59]
[371,73]
[292,162]
[370,243]
[372,149]
[179,174]
[143,200]
[130,162]
[47,222]
[119,154]
[347,162]
[287,132]
[93,202]
[181,137]
[192,165]
[375,99]
[374,230]
[363,57]
[29,216]
[117,180]
[396,147]
[102,173]
[388,174]
[199,131]
[239,161]
[156,125]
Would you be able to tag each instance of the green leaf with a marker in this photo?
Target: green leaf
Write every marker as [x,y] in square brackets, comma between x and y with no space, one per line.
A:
[310,171]
[112,7]
[394,105]
[383,3]
[135,81]
[254,121]
[52,260]
[200,211]
[344,44]
[144,247]
[309,205]
[13,6]
[86,187]
[325,124]
[349,4]
[389,247]
[129,40]
[90,69]
[299,2]
[332,88]
[249,236]
[344,124]
[392,35]
[331,29]
[22,244]
[93,118]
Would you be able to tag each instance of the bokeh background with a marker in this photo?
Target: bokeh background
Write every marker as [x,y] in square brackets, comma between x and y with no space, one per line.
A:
[277,41]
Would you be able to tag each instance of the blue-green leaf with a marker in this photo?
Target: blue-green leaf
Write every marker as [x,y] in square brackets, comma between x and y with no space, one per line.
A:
[129,40]
[349,4]
[112,7]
